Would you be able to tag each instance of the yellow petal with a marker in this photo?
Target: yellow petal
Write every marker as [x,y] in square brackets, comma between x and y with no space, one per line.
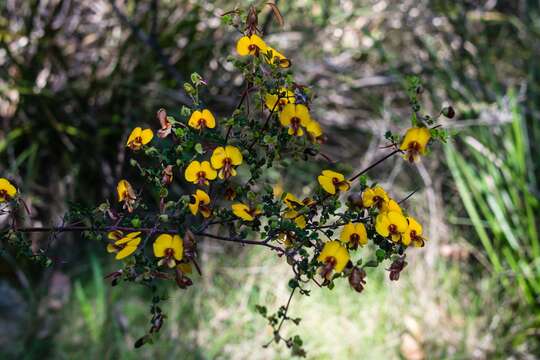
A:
[346,232]
[134,134]
[210,119]
[178,247]
[414,225]
[203,197]
[399,220]
[162,243]
[271,101]
[242,46]
[6,186]
[146,136]
[234,154]
[209,171]
[327,184]
[360,229]
[302,113]
[381,225]
[192,170]
[258,42]
[241,210]
[194,119]
[217,157]
[194,207]
[287,114]
[314,128]
[125,252]
[332,174]
[391,205]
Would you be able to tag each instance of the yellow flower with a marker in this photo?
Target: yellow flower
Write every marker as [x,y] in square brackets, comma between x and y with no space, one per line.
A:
[201,119]
[294,117]
[199,172]
[126,194]
[139,137]
[250,45]
[244,212]
[314,131]
[391,205]
[294,205]
[279,100]
[170,248]
[225,159]
[123,245]
[299,220]
[334,257]
[354,235]
[200,202]
[332,181]
[7,190]
[391,224]
[413,234]
[415,142]
[374,197]
[275,57]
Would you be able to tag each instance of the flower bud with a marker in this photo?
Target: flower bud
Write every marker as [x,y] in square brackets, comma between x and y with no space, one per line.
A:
[167,175]
[448,111]
[396,268]
[356,279]
[355,199]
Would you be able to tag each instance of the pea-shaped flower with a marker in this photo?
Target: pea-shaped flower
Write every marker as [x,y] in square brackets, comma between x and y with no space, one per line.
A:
[413,235]
[200,202]
[250,45]
[200,172]
[391,224]
[7,190]
[225,159]
[334,257]
[294,117]
[275,57]
[123,246]
[354,235]
[391,205]
[245,212]
[375,196]
[170,248]
[126,194]
[332,182]
[139,137]
[415,143]
[202,119]
[277,101]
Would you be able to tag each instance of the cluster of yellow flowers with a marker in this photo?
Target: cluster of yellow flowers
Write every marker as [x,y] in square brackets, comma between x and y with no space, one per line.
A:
[390,221]
[295,117]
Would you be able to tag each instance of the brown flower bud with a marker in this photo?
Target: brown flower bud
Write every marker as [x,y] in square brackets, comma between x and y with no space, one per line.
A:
[182,281]
[355,199]
[448,111]
[356,279]
[166,126]
[167,175]
[230,194]
[396,268]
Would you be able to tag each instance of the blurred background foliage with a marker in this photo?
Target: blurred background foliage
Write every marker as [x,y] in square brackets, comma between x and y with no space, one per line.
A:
[76,76]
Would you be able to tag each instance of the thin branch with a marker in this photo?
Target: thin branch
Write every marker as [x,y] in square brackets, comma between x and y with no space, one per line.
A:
[374,164]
